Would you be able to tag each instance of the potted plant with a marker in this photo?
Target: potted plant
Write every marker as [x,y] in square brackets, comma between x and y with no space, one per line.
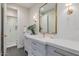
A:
[32,28]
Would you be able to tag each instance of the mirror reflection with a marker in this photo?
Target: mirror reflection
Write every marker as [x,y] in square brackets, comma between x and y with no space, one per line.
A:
[48,19]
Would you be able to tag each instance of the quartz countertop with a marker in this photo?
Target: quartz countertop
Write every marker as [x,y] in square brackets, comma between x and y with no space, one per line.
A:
[64,44]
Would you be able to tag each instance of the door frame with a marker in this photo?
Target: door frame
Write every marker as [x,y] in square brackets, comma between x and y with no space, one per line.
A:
[5,26]
[2,30]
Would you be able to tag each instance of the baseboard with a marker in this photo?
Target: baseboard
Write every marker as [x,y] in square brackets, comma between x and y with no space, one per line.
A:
[11,45]
[20,46]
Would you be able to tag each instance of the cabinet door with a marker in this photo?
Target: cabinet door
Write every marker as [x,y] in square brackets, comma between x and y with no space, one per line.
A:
[38,49]
[50,51]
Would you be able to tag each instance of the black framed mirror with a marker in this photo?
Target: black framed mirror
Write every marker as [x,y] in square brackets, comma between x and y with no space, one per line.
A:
[48,18]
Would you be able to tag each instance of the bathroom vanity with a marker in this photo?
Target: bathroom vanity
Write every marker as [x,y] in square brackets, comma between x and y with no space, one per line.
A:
[47,45]
[37,45]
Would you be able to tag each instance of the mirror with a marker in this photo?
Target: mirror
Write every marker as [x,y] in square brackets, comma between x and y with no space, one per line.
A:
[48,18]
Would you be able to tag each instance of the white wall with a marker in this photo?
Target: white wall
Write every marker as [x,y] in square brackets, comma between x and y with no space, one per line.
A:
[35,11]
[68,26]
[23,17]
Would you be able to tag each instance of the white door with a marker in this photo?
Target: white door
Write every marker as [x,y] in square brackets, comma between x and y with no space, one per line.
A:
[11,31]
[10,27]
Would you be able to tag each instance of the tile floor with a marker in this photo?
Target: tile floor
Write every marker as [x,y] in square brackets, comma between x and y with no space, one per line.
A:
[14,51]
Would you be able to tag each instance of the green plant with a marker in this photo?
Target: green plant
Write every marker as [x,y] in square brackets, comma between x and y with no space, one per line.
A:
[32,28]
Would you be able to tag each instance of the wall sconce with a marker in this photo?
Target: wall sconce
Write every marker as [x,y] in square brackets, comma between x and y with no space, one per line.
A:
[69,9]
[35,18]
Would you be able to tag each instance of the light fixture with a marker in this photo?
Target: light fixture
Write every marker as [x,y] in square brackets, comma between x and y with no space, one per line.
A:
[69,8]
[42,9]
[35,18]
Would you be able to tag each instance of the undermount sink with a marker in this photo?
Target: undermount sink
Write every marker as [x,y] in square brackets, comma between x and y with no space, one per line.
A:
[45,36]
[42,36]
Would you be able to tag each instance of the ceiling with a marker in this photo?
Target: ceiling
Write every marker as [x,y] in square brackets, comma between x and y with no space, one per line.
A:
[27,5]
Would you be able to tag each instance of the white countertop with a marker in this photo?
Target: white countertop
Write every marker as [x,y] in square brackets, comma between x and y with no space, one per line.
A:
[60,43]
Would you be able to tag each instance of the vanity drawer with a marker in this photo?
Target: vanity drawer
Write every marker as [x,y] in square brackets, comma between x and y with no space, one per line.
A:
[64,53]
[51,48]
[53,54]
[36,52]
[38,47]
[41,47]
[40,50]
[53,51]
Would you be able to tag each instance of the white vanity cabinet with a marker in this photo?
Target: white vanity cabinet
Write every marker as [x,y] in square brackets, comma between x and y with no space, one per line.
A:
[34,47]
[41,47]
[38,48]
[27,45]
